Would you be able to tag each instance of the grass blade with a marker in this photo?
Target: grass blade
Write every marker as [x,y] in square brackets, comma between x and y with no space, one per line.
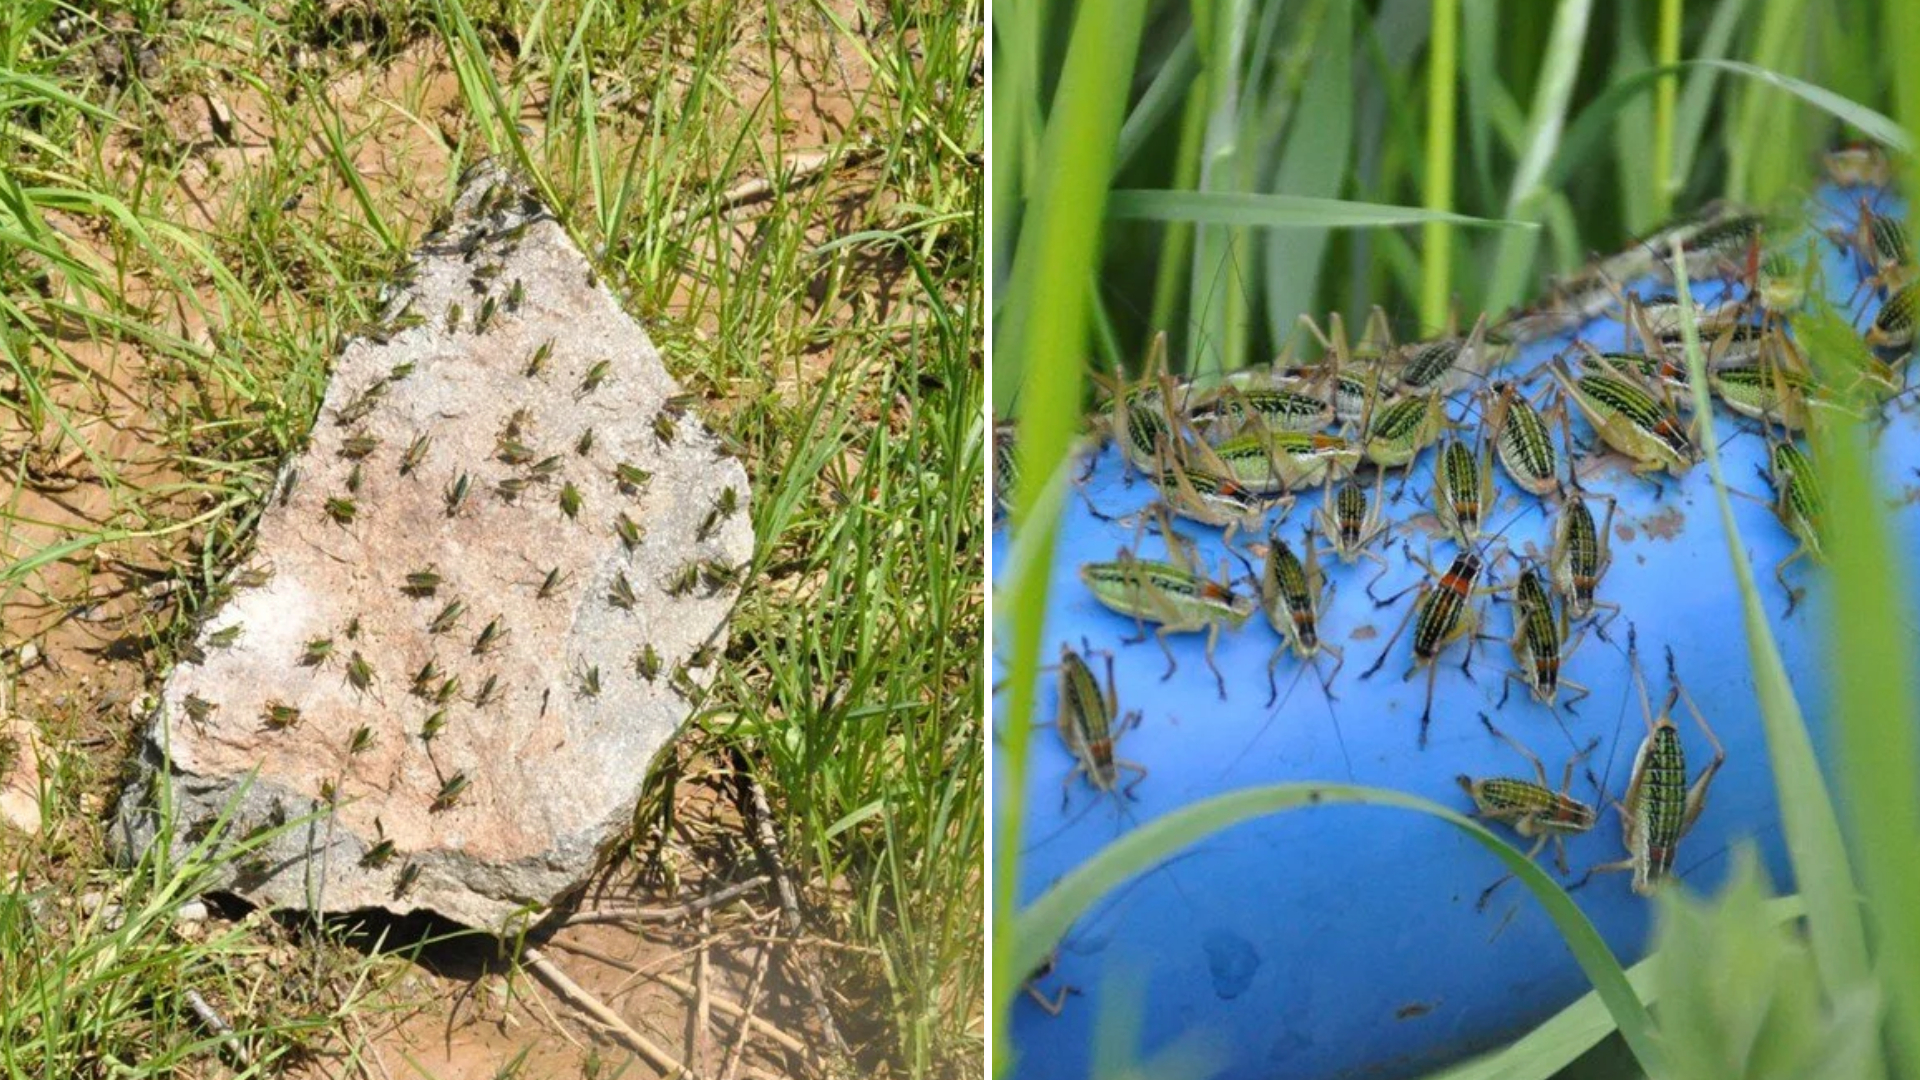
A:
[1279,211]
[1047,317]
[1048,918]
[1820,862]
[1313,163]
[1871,657]
[1443,74]
[1514,260]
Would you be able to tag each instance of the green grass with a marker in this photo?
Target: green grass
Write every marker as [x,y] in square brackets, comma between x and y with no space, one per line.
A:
[1632,111]
[833,327]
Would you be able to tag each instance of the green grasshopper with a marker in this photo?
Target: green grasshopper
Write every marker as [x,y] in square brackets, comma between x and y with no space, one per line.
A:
[1892,329]
[1172,594]
[1531,808]
[1800,506]
[1858,164]
[1540,643]
[1521,440]
[1211,498]
[1291,593]
[1580,557]
[1438,365]
[1353,523]
[1462,490]
[1400,430]
[1881,242]
[1627,418]
[1271,462]
[1005,469]
[1090,723]
[1264,408]
[1355,379]
[1139,414]
[1660,807]
[1441,614]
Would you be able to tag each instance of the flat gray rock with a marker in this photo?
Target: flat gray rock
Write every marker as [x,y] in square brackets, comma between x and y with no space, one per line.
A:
[480,602]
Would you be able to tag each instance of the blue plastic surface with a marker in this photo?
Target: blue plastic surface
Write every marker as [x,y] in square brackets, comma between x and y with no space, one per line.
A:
[1343,941]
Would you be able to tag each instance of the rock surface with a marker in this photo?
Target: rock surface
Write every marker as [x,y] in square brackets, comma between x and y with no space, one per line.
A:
[467,743]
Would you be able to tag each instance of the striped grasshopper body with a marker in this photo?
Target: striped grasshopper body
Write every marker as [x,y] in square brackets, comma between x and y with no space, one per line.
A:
[1531,808]
[1659,372]
[1462,490]
[1774,393]
[1291,593]
[1139,416]
[1171,594]
[1892,329]
[1800,506]
[1271,408]
[1401,429]
[1540,644]
[1005,469]
[1214,499]
[1880,241]
[1781,280]
[1660,807]
[1521,440]
[1354,521]
[1626,417]
[1355,377]
[1441,614]
[1089,723]
[1271,462]
[1580,557]
[1438,366]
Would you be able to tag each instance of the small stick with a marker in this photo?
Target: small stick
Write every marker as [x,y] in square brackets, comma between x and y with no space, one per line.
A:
[760,818]
[594,1007]
[786,1041]
[672,913]
[738,1049]
[797,171]
[217,1024]
[702,970]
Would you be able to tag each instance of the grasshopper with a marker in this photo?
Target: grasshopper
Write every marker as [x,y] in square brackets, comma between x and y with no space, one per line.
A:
[1800,506]
[1462,490]
[1580,557]
[1005,469]
[1858,164]
[1768,391]
[1353,522]
[1139,414]
[1355,378]
[1090,723]
[1265,408]
[1521,440]
[1660,807]
[1442,614]
[1172,594]
[1401,429]
[1291,594]
[1212,498]
[1437,365]
[1627,418]
[1892,329]
[1531,808]
[1539,643]
[1267,463]
[1879,241]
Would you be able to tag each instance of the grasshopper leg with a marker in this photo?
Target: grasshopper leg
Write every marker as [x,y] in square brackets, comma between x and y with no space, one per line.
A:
[1160,635]
[1134,767]
[1213,638]
[1382,658]
[1426,714]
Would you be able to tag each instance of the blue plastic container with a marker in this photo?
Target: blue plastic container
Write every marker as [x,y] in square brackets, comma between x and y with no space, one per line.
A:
[1344,941]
